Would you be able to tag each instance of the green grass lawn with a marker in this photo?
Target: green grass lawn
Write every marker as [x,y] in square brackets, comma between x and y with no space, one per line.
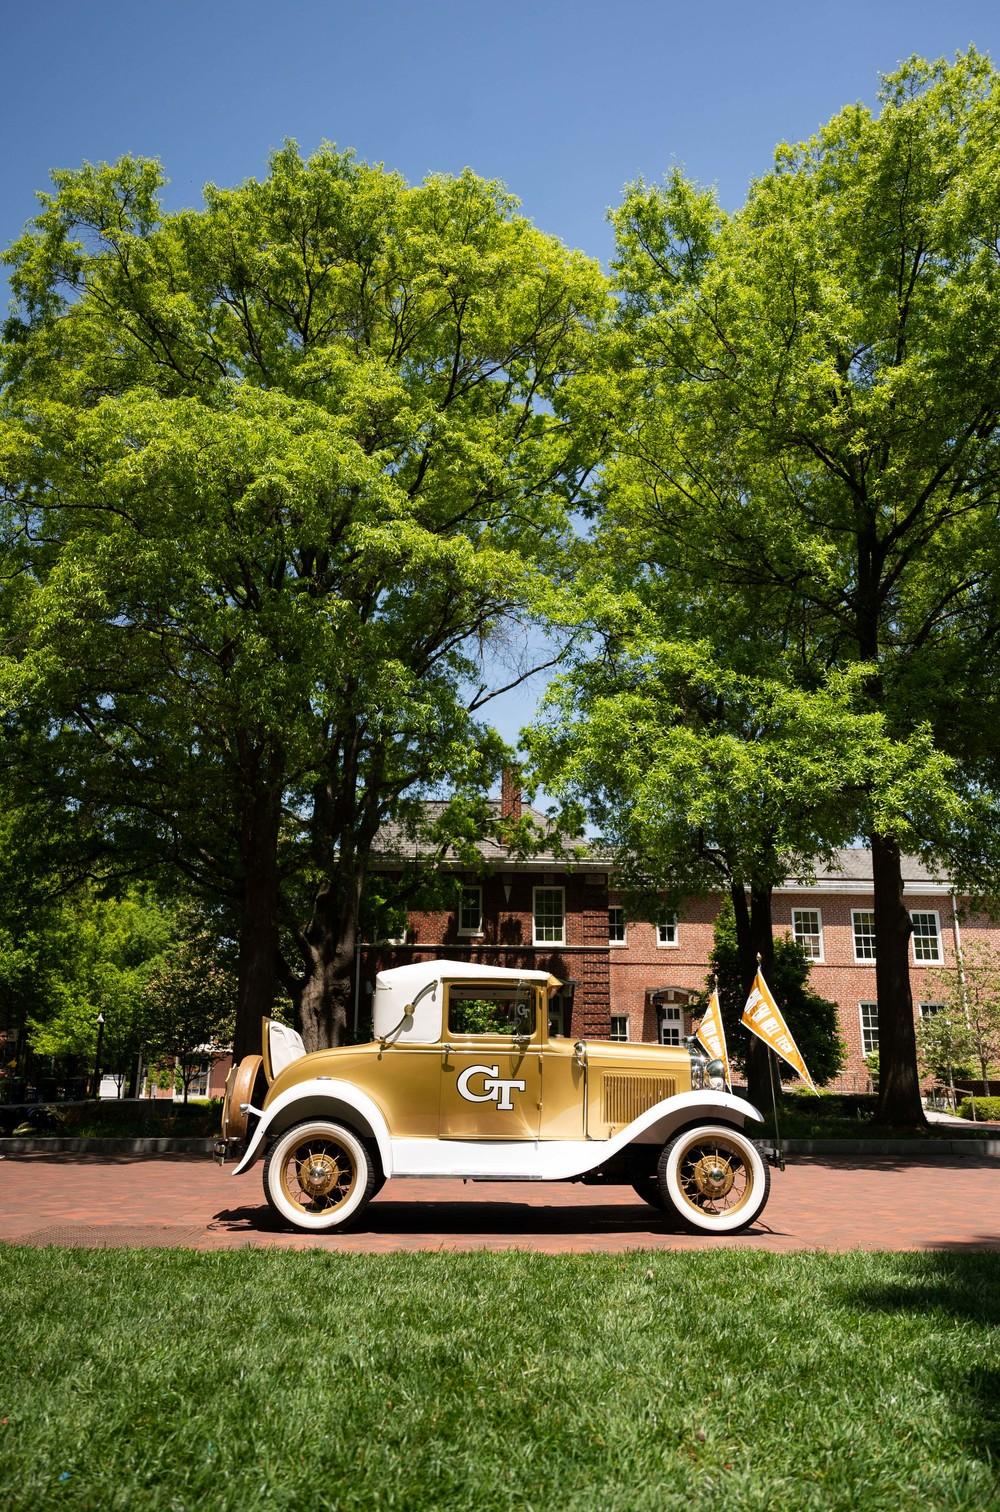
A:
[724,1380]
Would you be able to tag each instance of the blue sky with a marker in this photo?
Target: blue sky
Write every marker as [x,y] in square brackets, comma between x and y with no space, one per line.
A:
[566,102]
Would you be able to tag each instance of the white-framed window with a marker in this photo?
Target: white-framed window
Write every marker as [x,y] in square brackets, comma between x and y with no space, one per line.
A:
[863,924]
[928,1010]
[549,915]
[666,934]
[470,910]
[869,1027]
[616,926]
[671,1025]
[619,1027]
[807,931]
[926,939]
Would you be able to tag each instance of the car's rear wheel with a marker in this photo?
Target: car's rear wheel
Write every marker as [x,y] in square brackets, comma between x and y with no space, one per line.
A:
[318,1175]
[714,1178]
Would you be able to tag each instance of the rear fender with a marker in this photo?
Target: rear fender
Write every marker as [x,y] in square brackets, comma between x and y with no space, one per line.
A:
[322,1097]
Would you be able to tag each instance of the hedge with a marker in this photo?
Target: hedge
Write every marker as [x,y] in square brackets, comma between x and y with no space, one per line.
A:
[987,1108]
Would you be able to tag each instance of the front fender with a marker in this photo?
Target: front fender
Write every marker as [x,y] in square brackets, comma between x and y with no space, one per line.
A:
[660,1121]
[330,1098]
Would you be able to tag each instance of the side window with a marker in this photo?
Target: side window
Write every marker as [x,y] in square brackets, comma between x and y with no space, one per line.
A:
[482,1008]
[926,938]
[666,930]
[549,916]
[470,910]
[863,924]
[807,931]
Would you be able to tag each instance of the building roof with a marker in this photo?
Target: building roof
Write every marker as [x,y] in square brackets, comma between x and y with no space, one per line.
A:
[849,869]
[395,842]
[853,865]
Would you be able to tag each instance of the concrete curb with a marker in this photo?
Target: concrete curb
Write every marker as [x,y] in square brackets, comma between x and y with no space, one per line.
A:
[25,1144]
[917,1150]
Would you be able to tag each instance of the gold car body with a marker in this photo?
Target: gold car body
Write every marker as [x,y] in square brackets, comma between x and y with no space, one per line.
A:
[468,1076]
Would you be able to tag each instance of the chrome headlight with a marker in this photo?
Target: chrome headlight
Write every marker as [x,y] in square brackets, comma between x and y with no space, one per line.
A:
[699,1062]
[715,1073]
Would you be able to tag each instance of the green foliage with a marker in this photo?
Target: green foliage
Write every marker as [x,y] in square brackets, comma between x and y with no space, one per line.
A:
[107,1118]
[192,1002]
[302,463]
[787,1410]
[805,477]
[986,1108]
[812,1020]
[96,957]
[971,992]
[945,1046]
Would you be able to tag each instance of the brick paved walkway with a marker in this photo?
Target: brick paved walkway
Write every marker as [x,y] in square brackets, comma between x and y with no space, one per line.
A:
[817,1203]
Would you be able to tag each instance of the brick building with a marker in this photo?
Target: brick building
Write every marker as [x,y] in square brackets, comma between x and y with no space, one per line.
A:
[631,979]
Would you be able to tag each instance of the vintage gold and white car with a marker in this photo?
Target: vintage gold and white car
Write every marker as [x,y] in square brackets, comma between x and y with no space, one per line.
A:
[470,1075]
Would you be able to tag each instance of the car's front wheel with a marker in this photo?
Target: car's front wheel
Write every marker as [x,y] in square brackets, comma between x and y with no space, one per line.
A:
[318,1175]
[714,1178]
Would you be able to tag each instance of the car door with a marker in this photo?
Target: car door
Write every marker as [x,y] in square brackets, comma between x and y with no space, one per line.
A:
[491,1070]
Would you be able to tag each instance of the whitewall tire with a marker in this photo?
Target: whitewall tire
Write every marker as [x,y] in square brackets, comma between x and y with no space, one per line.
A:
[319,1175]
[714,1178]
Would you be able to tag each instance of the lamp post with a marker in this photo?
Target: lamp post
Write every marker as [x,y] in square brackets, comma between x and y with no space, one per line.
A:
[97,1055]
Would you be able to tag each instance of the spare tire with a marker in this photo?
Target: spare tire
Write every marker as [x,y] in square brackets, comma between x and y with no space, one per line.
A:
[245,1083]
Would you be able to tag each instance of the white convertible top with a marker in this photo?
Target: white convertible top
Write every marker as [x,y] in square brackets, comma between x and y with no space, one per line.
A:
[397,988]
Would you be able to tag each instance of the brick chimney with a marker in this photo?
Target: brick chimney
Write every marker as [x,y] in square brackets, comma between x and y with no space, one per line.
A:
[510,794]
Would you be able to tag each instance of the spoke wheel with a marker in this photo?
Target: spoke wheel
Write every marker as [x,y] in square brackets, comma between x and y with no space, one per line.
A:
[714,1178]
[319,1175]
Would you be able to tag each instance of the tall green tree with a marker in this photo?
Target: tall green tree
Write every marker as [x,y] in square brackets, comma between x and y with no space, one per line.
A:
[277,475]
[704,779]
[814,409]
[812,1019]
[90,956]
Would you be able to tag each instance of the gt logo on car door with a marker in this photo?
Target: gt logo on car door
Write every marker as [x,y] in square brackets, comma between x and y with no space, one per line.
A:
[495,1087]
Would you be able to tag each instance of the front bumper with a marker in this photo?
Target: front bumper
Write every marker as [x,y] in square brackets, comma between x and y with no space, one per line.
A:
[228,1149]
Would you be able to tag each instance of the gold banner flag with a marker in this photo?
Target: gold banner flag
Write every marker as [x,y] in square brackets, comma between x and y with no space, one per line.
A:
[762,1017]
[712,1035]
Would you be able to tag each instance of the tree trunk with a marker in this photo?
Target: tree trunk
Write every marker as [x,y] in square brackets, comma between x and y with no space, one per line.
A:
[258,937]
[753,934]
[898,1081]
[330,943]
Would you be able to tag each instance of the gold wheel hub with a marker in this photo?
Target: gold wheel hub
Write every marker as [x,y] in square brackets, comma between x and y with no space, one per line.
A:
[714,1176]
[319,1173]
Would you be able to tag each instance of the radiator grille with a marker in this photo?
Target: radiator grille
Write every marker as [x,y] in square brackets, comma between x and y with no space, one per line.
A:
[628,1095]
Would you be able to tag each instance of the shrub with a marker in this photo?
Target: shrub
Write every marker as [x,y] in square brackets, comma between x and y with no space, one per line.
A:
[987,1108]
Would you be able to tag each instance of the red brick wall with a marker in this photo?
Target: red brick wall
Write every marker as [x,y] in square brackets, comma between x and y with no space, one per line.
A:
[641,966]
[619,978]
[507,939]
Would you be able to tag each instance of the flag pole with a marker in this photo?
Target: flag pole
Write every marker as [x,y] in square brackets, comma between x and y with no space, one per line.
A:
[779,1158]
